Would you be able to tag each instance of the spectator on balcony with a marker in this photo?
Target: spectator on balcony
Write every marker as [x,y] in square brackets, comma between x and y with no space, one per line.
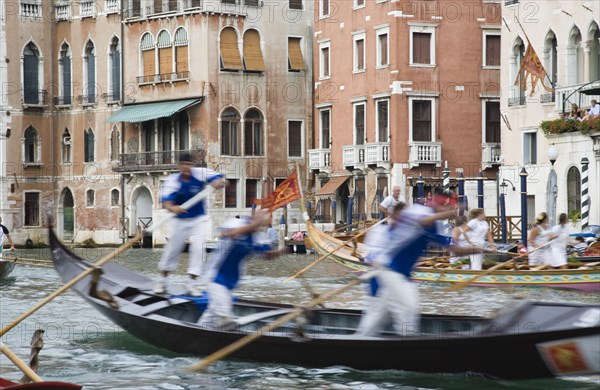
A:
[191,223]
[593,111]
[574,114]
[390,202]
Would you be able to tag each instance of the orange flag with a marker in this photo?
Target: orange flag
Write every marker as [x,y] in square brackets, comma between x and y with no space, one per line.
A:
[286,192]
[531,67]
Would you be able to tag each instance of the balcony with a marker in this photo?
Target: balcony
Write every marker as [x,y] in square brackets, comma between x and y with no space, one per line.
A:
[65,100]
[34,97]
[517,101]
[378,153]
[569,96]
[490,154]
[425,153]
[87,100]
[87,9]
[113,6]
[62,11]
[547,98]
[353,156]
[149,161]
[30,8]
[319,160]
[163,78]
[114,97]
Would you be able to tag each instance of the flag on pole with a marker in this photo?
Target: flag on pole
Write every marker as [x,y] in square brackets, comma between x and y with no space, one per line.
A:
[531,67]
[286,192]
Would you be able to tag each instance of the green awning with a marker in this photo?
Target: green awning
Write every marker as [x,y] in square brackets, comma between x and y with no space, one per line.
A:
[148,111]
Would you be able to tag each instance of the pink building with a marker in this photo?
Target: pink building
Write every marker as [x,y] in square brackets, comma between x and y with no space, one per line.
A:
[400,88]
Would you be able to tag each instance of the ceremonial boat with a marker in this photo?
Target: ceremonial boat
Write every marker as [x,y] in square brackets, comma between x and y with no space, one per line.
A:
[9,385]
[585,278]
[6,267]
[528,340]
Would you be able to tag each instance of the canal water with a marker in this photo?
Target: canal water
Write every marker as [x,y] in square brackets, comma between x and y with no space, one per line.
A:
[81,346]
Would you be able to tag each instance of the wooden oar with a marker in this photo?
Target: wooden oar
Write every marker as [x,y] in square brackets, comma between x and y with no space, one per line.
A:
[231,348]
[19,363]
[198,197]
[70,283]
[303,270]
[488,271]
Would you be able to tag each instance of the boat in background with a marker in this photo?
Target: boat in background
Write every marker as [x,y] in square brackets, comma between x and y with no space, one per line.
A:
[6,267]
[528,340]
[584,278]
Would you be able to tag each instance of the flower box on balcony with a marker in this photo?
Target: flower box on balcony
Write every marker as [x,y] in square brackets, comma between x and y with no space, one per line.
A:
[560,126]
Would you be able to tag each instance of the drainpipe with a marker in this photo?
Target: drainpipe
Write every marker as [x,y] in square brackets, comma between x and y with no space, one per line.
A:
[54,113]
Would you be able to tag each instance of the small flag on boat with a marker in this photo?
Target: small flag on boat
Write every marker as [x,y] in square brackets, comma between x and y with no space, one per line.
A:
[286,192]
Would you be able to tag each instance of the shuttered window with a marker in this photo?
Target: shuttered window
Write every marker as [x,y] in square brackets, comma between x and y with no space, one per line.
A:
[382,120]
[165,53]
[157,6]
[253,58]
[253,137]
[421,48]
[360,54]
[181,51]
[90,65]
[31,145]
[65,64]
[31,74]
[173,5]
[136,8]
[492,121]
[229,133]
[115,61]
[492,50]
[147,47]
[230,54]
[359,123]
[421,118]
[251,191]
[295,139]
[231,193]
[325,128]
[89,146]
[295,57]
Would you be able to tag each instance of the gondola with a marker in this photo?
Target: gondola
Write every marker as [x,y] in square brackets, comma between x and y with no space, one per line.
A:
[529,340]
[6,267]
[9,385]
[585,278]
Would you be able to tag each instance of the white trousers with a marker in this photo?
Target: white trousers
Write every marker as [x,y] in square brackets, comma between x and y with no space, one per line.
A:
[194,229]
[397,299]
[220,307]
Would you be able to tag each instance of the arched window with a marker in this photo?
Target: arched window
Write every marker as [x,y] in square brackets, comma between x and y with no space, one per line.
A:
[115,70]
[573,190]
[551,57]
[31,75]
[64,64]
[230,120]
[181,53]
[66,146]
[89,76]
[165,55]
[89,143]
[517,91]
[594,41]
[253,58]
[148,61]
[253,134]
[230,52]
[90,198]
[31,144]
[574,58]
[114,144]
[114,197]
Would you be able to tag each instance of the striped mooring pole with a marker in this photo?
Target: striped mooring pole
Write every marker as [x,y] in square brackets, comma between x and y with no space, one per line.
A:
[446,177]
[480,190]
[523,176]
[585,195]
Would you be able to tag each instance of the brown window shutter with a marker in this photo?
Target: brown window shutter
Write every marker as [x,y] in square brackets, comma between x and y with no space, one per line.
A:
[157,6]
[149,63]
[230,54]
[165,56]
[360,54]
[383,43]
[421,48]
[295,54]
[252,54]
[492,55]
[182,58]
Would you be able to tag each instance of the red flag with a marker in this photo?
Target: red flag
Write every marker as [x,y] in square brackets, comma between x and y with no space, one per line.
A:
[531,67]
[286,192]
